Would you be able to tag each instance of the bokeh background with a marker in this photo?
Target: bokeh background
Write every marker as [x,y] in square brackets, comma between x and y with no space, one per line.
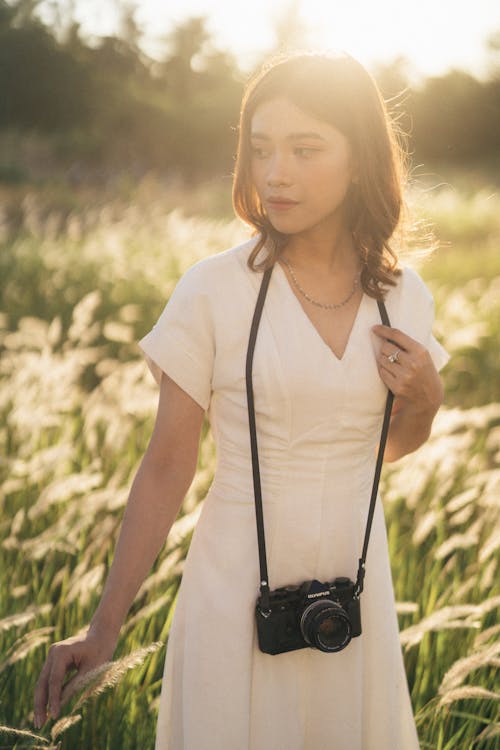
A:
[117,138]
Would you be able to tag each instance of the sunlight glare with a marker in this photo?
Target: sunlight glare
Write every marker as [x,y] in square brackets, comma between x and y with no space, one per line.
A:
[429,34]
[433,36]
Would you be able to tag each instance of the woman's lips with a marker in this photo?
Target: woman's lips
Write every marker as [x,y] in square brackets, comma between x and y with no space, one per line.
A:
[281,204]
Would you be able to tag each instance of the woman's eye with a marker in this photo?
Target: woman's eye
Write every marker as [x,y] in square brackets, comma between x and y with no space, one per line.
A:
[259,153]
[304,151]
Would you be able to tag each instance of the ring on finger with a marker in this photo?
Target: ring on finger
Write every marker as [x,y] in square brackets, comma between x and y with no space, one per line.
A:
[394,357]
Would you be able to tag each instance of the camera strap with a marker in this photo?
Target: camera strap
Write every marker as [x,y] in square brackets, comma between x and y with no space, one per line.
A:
[264,582]
[378,468]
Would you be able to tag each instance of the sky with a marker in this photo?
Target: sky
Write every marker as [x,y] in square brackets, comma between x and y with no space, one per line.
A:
[435,35]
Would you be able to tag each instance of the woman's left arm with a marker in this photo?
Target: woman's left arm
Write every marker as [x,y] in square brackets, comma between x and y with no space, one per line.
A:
[408,371]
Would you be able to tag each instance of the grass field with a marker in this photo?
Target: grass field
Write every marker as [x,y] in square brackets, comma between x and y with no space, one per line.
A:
[83,277]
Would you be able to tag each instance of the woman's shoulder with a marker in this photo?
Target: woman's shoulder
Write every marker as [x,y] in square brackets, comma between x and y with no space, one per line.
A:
[221,268]
[216,285]
[410,289]
[410,305]
[412,282]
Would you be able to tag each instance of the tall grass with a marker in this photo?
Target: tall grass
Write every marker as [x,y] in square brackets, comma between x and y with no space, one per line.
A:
[80,284]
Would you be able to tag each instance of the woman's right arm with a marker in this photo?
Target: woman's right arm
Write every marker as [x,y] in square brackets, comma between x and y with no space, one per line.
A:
[160,485]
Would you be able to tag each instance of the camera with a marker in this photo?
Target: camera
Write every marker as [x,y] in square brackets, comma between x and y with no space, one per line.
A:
[318,615]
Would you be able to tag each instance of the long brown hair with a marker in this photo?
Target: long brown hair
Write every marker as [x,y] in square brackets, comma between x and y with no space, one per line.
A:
[338,90]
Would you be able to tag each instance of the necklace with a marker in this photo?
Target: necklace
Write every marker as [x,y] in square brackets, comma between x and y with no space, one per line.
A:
[331,306]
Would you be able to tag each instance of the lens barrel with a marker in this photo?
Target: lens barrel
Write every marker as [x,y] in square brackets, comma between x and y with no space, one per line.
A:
[325,625]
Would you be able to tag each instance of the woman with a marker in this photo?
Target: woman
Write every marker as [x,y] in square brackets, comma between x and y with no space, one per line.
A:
[319,176]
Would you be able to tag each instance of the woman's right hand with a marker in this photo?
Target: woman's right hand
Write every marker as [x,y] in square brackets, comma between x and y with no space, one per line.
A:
[159,487]
[73,654]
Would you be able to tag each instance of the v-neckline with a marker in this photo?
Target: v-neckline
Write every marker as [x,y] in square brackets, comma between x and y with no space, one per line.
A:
[308,320]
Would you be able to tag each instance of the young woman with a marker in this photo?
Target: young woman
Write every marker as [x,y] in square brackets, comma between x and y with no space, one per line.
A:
[319,176]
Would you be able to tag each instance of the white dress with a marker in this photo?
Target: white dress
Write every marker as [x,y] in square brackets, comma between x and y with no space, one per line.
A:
[318,423]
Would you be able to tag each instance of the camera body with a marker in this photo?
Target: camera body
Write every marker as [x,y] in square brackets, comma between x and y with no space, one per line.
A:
[318,615]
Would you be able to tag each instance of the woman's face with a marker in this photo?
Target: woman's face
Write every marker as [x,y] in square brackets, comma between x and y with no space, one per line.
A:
[301,167]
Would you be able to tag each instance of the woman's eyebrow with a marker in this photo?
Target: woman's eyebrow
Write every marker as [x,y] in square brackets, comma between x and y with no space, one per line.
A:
[291,136]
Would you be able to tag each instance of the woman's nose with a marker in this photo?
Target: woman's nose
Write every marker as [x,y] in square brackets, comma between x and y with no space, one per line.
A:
[278,173]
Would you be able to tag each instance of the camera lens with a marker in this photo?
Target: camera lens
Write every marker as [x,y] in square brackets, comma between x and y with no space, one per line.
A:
[325,625]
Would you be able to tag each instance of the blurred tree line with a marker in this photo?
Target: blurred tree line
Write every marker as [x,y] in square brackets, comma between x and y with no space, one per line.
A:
[106,104]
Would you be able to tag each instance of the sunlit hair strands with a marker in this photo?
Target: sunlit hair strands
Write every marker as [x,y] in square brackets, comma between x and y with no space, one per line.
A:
[337,89]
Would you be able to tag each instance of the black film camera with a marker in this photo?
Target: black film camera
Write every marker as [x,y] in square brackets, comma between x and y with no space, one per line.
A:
[319,615]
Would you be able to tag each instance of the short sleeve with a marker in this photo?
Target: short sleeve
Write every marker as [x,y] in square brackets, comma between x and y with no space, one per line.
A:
[416,316]
[182,342]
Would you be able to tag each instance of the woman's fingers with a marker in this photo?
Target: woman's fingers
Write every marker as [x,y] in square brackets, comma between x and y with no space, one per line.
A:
[75,653]
[407,369]
[42,694]
[396,338]
[392,357]
[49,686]
[400,349]
[63,661]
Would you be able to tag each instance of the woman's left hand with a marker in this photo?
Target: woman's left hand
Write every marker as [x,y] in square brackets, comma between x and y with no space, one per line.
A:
[408,371]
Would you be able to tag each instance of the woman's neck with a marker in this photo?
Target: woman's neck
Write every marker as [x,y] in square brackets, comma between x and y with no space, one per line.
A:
[325,254]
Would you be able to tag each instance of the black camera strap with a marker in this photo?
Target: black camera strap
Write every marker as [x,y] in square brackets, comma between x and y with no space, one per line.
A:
[264,582]
[378,467]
